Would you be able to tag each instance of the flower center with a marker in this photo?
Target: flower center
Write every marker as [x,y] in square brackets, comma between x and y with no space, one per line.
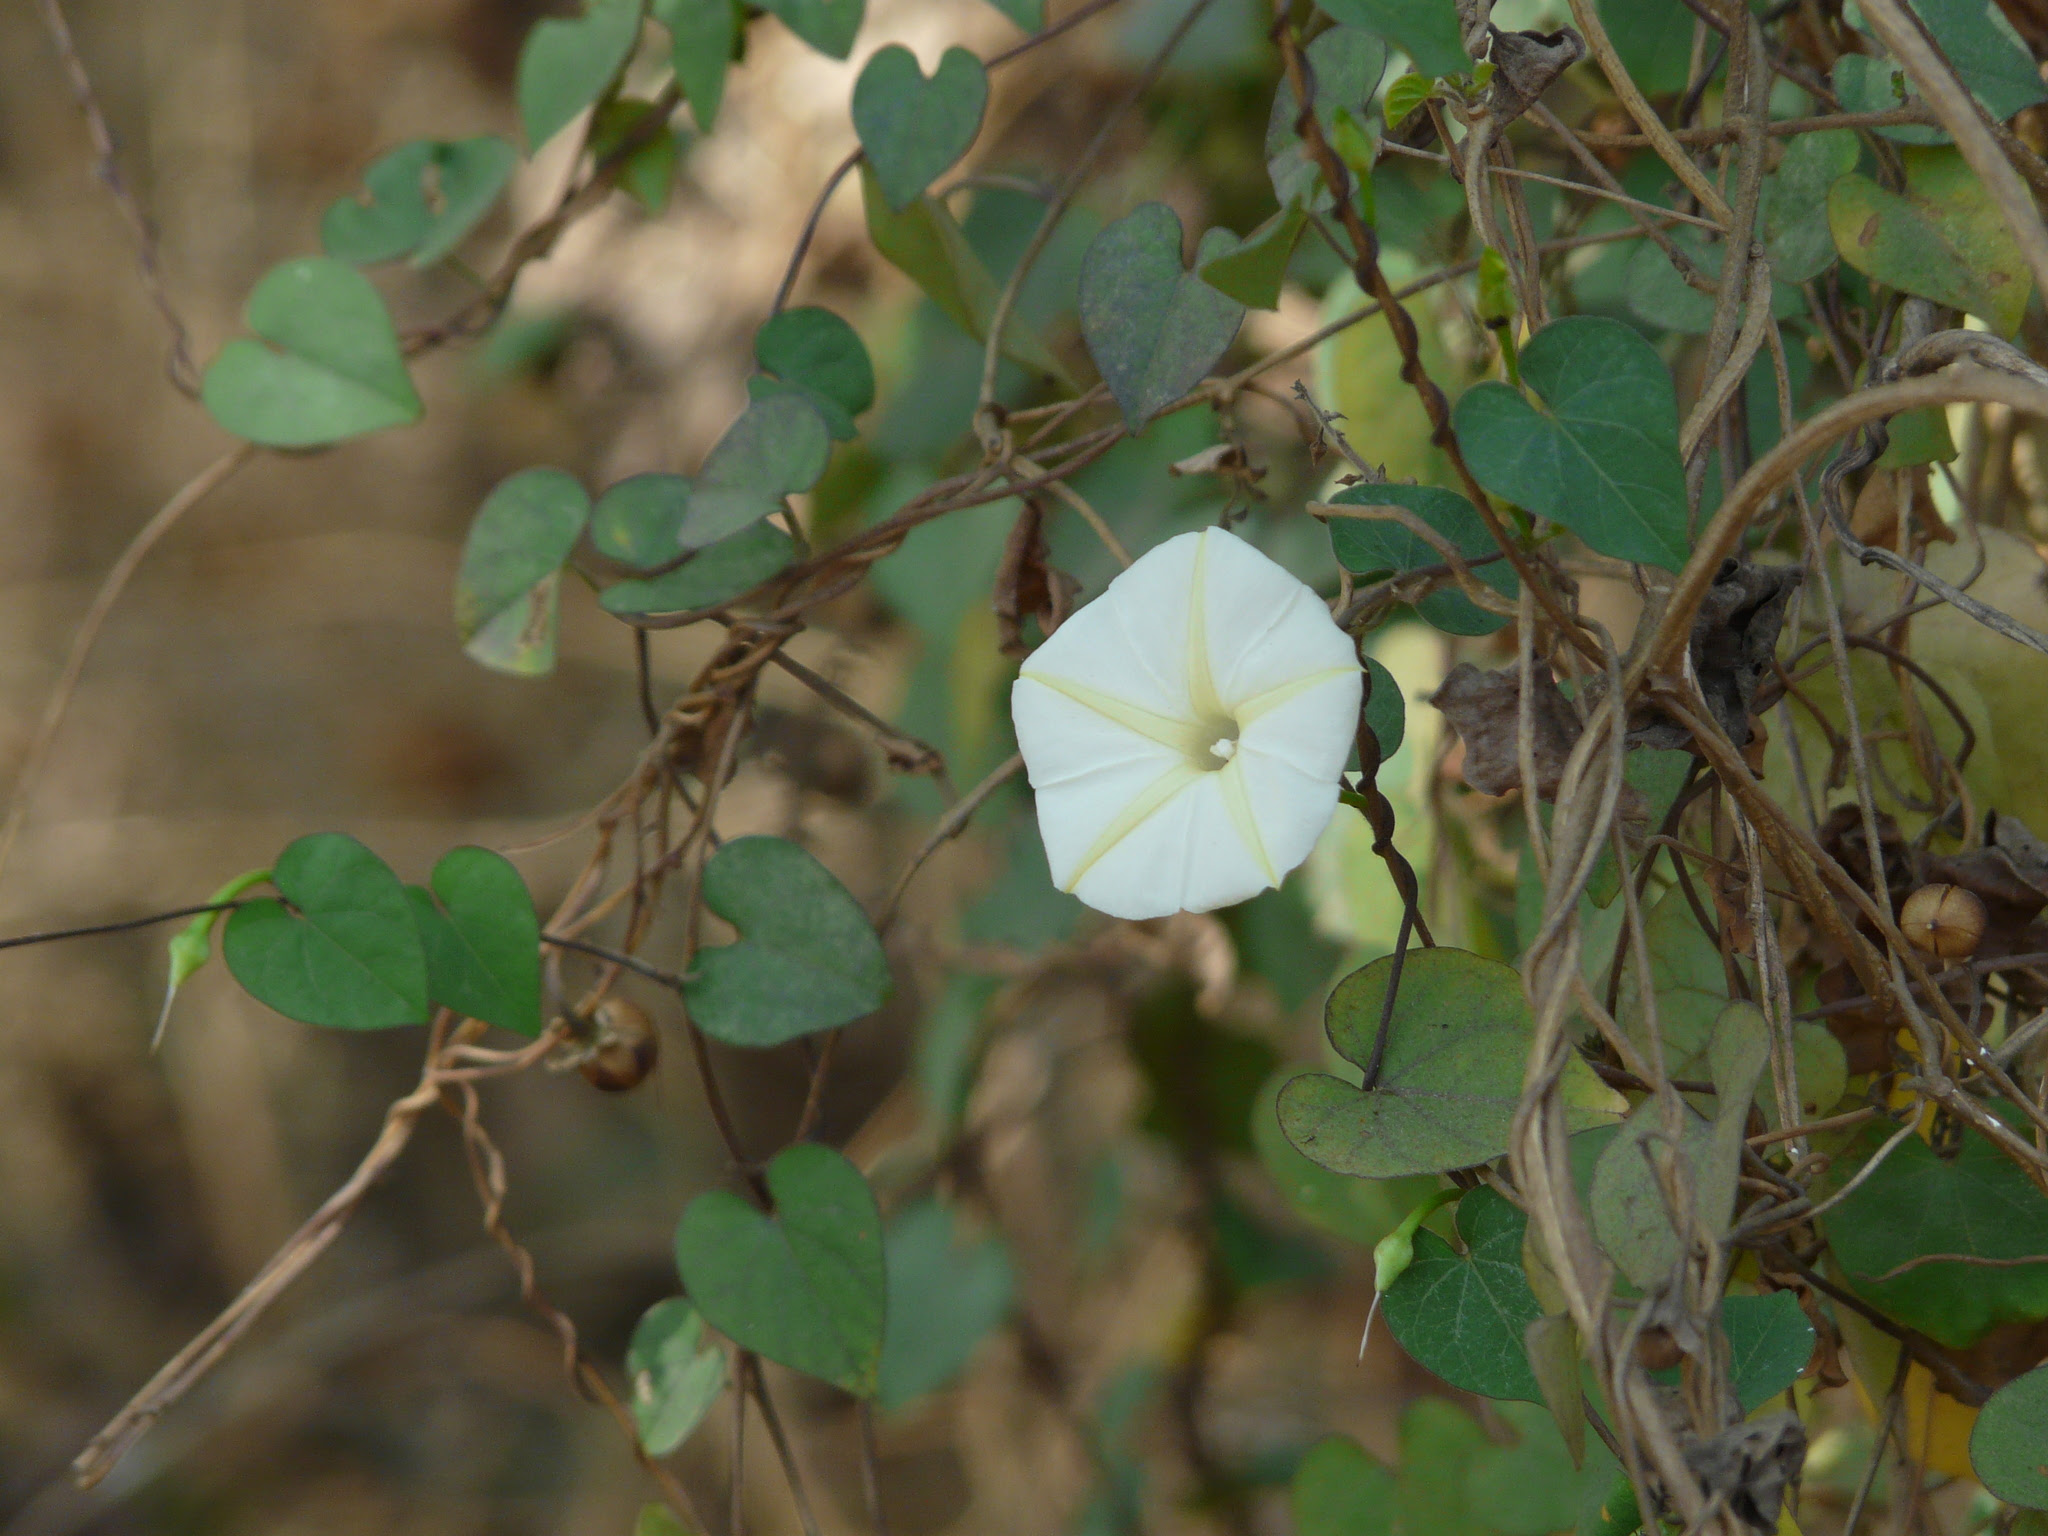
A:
[1217,743]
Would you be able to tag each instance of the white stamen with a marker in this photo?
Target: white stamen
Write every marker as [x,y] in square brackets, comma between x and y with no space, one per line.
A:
[1225,749]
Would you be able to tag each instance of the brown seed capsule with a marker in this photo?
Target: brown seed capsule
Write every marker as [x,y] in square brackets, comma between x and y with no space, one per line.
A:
[1944,920]
[625,1048]
[1656,1349]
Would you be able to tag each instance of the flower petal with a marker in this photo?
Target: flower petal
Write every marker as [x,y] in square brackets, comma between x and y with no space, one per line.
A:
[1291,807]
[1230,861]
[1131,642]
[1144,872]
[1265,628]
[1064,740]
[1311,726]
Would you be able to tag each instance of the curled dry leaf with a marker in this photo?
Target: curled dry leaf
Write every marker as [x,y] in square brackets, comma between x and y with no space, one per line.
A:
[1524,65]
[1751,1465]
[1484,708]
[1733,640]
[1028,586]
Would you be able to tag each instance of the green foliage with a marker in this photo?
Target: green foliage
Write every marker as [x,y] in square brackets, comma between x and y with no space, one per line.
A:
[803,1285]
[702,37]
[345,953]
[1348,64]
[333,369]
[399,219]
[1153,328]
[1425,31]
[1374,549]
[1464,1315]
[1985,51]
[733,565]
[1386,710]
[806,958]
[506,588]
[1405,96]
[820,356]
[1795,206]
[1451,1078]
[945,1297]
[1960,1223]
[659,1520]
[676,1375]
[829,26]
[914,129]
[638,521]
[1252,274]
[1361,1211]
[569,62]
[1769,1344]
[1204,1079]
[1688,988]
[1944,239]
[648,172]
[1600,454]
[2009,1443]
[482,939]
[1339,1490]
[777,448]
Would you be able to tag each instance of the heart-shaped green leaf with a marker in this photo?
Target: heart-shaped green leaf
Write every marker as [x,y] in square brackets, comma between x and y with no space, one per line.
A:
[1153,327]
[1360,1211]
[1451,1077]
[469,175]
[702,36]
[482,939]
[926,243]
[1600,455]
[423,198]
[1379,549]
[1386,709]
[1253,272]
[1339,1490]
[505,590]
[2009,1442]
[1986,52]
[1463,1316]
[636,520]
[805,1286]
[913,129]
[335,373]
[568,62]
[945,1297]
[1425,30]
[777,448]
[1627,1205]
[1945,1219]
[345,953]
[1686,979]
[735,564]
[1795,203]
[829,26]
[818,354]
[676,1376]
[1664,301]
[1347,64]
[807,958]
[1945,239]
[1769,1343]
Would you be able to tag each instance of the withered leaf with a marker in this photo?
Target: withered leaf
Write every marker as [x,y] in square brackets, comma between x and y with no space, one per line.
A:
[1734,636]
[1027,586]
[1524,65]
[1484,708]
[1752,1465]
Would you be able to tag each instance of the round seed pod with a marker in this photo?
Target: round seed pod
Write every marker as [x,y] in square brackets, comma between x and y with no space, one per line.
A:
[1944,920]
[625,1048]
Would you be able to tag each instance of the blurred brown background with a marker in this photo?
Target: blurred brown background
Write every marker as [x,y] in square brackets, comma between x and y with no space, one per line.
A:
[285,663]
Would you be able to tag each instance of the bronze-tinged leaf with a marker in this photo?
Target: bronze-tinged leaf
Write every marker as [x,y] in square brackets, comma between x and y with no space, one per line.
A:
[1484,708]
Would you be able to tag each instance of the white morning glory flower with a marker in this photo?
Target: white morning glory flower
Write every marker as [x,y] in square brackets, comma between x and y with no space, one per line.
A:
[1185,731]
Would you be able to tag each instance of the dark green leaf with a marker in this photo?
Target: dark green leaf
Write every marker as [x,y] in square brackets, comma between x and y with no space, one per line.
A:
[2009,1443]
[1386,548]
[1917,1207]
[1252,274]
[1531,1488]
[777,448]
[676,1376]
[925,242]
[482,941]
[1440,1445]
[1152,327]
[1339,1490]
[1769,1343]
[1654,41]
[649,172]
[334,370]
[829,26]
[1463,1316]
[1986,52]
[511,564]
[805,1286]
[816,352]
[1600,455]
[1795,208]
[1386,710]
[568,62]
[1348,63]
[807,958]
[345,954]
[735,564]
[469,174]
[1361,1211]
[1028,14]
[637,520]
[1451,1078]
[1664,301]
[1945,239]
[702,36]
[913,129]
[1688,983]
[1425,30]
[1875,84]
[945,1297]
